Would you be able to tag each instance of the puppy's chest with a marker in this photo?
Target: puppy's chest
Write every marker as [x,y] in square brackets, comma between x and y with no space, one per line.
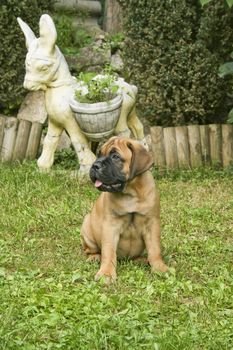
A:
[132,208]
[131,241]
[133,226]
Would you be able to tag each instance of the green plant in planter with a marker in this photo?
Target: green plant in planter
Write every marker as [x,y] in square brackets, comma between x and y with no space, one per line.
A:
[225,70]
[96,88]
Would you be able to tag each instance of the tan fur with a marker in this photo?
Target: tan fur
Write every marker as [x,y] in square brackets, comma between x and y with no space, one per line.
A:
[125,224]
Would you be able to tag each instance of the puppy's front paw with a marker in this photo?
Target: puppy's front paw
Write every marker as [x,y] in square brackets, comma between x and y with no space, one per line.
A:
[159,266]
[107,276]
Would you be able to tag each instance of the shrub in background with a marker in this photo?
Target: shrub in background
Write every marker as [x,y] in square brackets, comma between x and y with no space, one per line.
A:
[173,52]
[225,70]
[70,37]
[13,51]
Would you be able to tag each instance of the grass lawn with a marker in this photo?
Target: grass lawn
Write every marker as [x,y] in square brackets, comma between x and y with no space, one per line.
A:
[49,300]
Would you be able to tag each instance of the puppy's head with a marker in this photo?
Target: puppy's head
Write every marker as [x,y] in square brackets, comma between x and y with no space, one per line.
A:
[120,161]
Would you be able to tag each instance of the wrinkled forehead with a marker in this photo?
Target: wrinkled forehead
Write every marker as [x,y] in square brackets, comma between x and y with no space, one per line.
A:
[118,145]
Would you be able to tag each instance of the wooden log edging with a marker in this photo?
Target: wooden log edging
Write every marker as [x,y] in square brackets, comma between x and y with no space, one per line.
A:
[215,134]
[19,139]
[2,124]
[8,143]
[173,147]
[170,148]
[205,144]
[34,140]
[157,146]
[182,145]
[227,144]
[192,146]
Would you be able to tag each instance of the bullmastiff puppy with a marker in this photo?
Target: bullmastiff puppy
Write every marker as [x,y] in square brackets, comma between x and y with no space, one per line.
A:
[125,219]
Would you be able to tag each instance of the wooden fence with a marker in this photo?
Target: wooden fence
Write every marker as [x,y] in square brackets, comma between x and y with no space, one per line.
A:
[19,139]
[174,147]
[192,146]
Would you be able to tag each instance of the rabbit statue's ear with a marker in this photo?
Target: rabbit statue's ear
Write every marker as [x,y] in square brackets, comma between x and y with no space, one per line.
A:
[28,33]
[48,33]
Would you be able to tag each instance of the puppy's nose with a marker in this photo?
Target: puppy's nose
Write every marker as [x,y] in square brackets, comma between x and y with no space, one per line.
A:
[97,165]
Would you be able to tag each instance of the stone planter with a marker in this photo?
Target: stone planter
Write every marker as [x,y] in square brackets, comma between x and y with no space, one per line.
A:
[97,120]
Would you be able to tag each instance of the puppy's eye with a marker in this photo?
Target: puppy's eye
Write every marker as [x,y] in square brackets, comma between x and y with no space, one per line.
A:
[115,156]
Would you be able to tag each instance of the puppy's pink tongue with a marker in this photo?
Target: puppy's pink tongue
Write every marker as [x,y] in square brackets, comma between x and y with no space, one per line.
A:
[98,183]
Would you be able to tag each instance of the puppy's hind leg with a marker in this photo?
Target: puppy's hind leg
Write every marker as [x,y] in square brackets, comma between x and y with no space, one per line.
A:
[93,253]
[89,246]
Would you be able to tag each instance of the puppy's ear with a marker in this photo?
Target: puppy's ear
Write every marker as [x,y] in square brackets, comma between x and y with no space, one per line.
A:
[141,161]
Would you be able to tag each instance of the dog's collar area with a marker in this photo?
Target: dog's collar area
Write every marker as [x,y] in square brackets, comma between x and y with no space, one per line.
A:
[131,178]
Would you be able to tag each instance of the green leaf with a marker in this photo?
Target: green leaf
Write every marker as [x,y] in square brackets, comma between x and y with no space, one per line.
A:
[229,2]
[230,117]
[203,2]
[2,272]
[76,277]
[52,319]
[225,69]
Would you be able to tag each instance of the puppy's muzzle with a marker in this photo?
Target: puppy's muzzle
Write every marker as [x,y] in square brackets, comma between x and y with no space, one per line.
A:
[106,175]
